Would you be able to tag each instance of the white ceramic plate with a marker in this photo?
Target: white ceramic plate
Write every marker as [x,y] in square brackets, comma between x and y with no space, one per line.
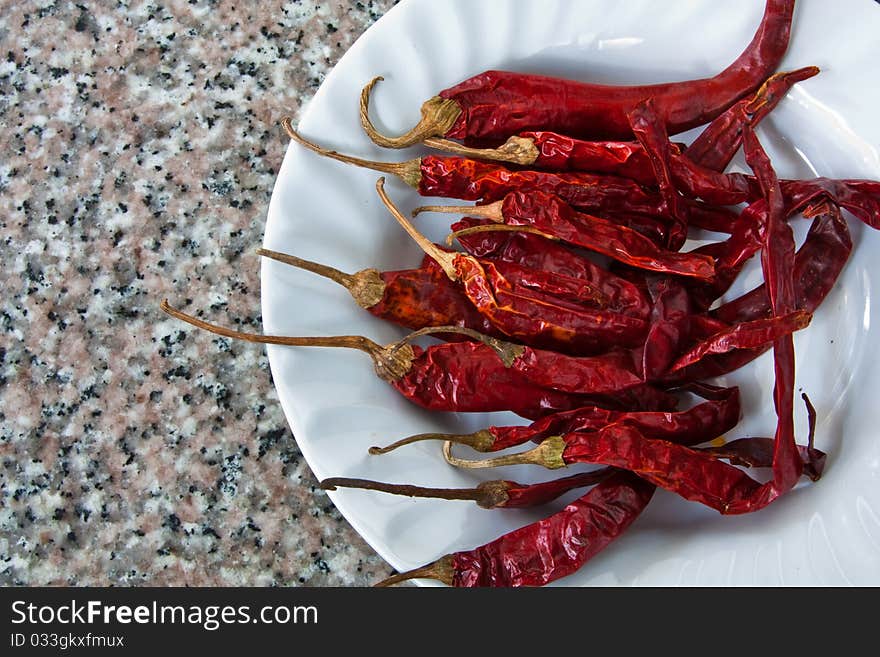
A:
[827,533]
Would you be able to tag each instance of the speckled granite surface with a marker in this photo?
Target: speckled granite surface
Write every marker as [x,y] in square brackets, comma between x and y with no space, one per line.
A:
[140,148]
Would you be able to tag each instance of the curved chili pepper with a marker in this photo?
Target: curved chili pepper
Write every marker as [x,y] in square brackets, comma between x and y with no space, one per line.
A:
[539,253]
[818,263]
[493,105]
[715,146]
[518,311]
[703,422]
[649,129]
[550,548]
[553,218]
[484,376]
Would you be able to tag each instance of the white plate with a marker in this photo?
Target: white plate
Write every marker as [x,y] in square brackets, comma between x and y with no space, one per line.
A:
[827,533]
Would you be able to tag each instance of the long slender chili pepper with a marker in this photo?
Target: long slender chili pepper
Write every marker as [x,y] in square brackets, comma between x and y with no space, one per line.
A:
[713,149]
[494,105]
[703,422]
[539,253]
[471,180]
[414,298]
[486,375]
[552,217]
[550,548]
[694,474]
[497,494]
[517,311]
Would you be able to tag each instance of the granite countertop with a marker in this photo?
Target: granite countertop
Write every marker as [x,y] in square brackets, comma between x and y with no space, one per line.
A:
[141,146]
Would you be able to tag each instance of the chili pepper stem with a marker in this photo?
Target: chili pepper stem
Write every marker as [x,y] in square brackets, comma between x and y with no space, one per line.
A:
[445,260]
[442,570]
[409,171]
[516,150]
[366,286]
[548,454]
[491,211]
[489,494]
[490,228]
[480,441]
[391,362]
[438,116]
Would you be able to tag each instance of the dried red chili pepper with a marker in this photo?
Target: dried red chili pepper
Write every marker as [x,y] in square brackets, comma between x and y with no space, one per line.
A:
[553,218]
[520,311]
[414,298]
[484,376]
[493,105]
[714,148]
[701,423]
[550,548]
[454,177]
[696,475]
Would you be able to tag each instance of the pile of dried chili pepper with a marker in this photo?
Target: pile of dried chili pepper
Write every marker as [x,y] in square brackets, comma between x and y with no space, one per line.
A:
[574,304]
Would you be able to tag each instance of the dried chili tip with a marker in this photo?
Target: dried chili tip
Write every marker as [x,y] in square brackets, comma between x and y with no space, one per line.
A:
[488,494]
[442,570]
[366,286]
[409,171]
[438,117]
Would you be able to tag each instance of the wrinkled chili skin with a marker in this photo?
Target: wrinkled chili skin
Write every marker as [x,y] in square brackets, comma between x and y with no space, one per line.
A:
[703,422]
[419,298]
[470,377]
[818,264]
[560,544]
[521,496]
[472,180]
[552,215]
[758,453]
[713,149]
[538,319]
[670,314]
[541,254]
[695,475]
[497,104]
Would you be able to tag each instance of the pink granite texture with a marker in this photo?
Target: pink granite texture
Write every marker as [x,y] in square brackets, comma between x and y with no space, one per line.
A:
[141,143]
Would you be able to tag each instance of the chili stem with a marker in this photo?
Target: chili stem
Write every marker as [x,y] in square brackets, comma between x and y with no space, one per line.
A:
[488,495]
[480,441]
[442,570]
[389,365]
[366,286]
[408,171]
[516,150]
[438,116]
[547,454]
[507,351]
[445,260]
[498,228]
[491,211]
